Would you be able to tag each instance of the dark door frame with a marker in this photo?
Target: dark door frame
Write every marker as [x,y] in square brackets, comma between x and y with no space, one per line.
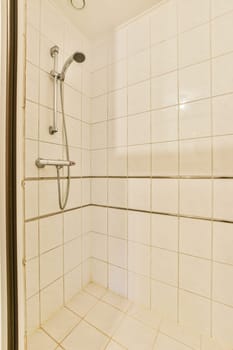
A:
[11,175]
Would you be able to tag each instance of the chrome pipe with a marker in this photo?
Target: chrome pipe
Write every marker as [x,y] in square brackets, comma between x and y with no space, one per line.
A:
[54,51]
[41,163]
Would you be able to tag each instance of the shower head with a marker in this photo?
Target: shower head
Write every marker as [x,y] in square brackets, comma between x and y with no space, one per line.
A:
[78,57]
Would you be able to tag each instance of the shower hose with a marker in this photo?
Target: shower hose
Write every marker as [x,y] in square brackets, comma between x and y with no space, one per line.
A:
[63,201]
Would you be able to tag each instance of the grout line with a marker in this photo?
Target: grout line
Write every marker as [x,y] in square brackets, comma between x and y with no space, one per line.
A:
[127,164]
[212,172]
[151,170]
[181,177]
[38,185]
[134,210]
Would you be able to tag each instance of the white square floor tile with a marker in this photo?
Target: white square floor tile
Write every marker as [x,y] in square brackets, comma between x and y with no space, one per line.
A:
[95,290]
[114,346]
[82,303]
[105,317]
[117,301]
[165,343]
[149,317]
[181,334]
[40,340]
[61,324]
[85,337]
[134,335]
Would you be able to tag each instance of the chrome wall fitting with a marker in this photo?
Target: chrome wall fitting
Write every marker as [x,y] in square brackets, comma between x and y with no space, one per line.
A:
[42,163]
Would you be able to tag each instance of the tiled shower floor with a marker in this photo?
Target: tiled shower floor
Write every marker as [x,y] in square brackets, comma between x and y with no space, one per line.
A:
[97,319]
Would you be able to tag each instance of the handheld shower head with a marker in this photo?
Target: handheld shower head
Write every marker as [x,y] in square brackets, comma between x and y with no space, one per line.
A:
[78,57]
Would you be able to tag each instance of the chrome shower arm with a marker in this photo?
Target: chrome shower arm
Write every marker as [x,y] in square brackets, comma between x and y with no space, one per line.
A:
[54,51]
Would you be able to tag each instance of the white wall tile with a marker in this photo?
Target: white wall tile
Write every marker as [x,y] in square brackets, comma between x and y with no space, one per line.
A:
[117,132]
[117,104]
[195,157]
[139,67]
[195,237]
[99,135]
[195,312]
[139,129]
[190,193]
[117,161]
[99,246]
[139,98]
[117,192]
[195,82]
[195,275]
[222,156]
[222,112]
[139,289]
[117,223]
[164,91]
[164,125]
[164,22]
[51,299]
[164,299]
[99,162]
[139,258]
[193,13]
[51,233]
[99,109]
[118,75]
[165,195]
[223,190]
[222,242]
[99,272]
[222,73]
[33,47]
[194,46]
[220,7]
[72,254]
[139,227]
[165,266]
[72,283]
[222,28]
[51,265]
[32,83]
[31,240]
[222,283]
[99,191]
[139,194]
[32,277]
[118,280]
[165,232]
[31,120]
[138,35]
[165,159]
[164,57]
[99,82]
[118,252]
[195,119]
[222,321]
[139,160]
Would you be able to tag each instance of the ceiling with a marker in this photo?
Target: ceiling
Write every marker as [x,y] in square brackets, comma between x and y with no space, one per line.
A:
[100,16]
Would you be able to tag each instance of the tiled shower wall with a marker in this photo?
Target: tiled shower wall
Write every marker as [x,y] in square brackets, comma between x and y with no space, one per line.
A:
[56,243]
[161,161]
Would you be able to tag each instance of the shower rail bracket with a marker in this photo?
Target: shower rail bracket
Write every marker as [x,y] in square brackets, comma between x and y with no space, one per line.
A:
[42,163]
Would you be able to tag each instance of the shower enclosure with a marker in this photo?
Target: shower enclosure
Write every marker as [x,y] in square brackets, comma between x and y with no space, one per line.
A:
[125,197]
